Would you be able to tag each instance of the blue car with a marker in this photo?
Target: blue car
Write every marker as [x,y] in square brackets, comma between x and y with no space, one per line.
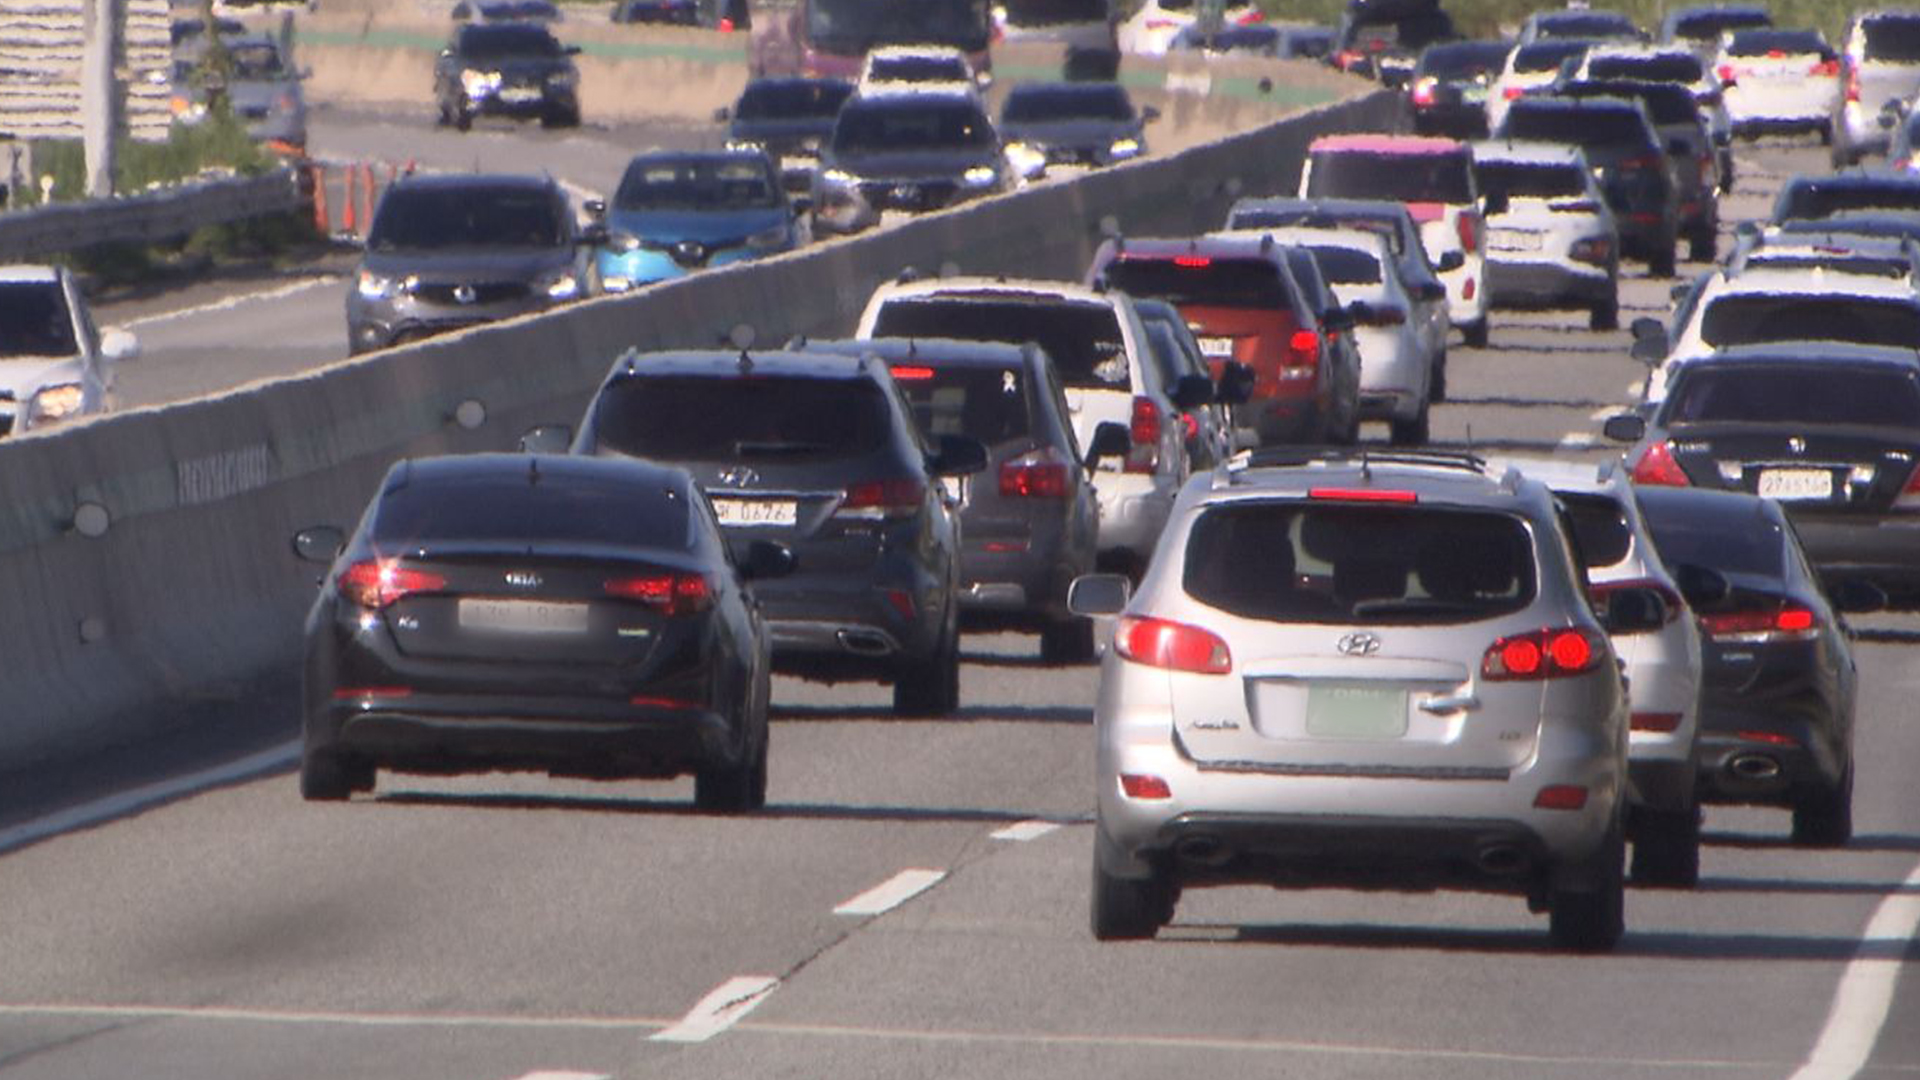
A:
[677,212]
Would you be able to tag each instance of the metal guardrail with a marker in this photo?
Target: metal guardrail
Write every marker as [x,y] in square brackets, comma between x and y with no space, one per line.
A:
[164,214]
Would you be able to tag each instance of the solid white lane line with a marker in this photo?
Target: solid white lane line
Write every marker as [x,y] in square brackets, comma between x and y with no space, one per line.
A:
[562,1074]
[126,802]
[1576,440]
[1603,412]
[891,893]
[1026,830]
[1866,992]
[345,1019]
[720,1009]
[231,302]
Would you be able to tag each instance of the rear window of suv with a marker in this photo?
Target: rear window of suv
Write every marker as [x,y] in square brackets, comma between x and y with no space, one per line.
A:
[1763,42]
[1083,339]
[989,404]
[1662,69]
[1530,180]
[1588,126]
[1347,174]
[1813,199]
[716,418]
[1893,38]
[1212,282]
[1756,318]
[1289,561]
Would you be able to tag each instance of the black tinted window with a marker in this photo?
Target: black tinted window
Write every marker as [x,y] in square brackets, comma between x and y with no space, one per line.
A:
[1794,394]
[989,404]
[498,42]
[1051,12]
[34,320]
[1893,39]
[1597,24]
[1463,61]
[1755,318]
[1711,24]
[1345,563]
[1515,179]
[436,217]
[1600,528]
[1346,266]
[1240,283]
[911,126]
[1581,127]
[1815,199]
[564,509]
[1789,42]
[1068,103]
[1546,55]
[1738,543]
[697,184]
[701,418]
[1445,178]
[792,100]
[1083,339]
[1665,69]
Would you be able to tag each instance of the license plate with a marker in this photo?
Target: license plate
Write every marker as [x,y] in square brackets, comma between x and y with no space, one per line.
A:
[518,94]
[756,511]
[1796,484]
[1512,240]
[1356,712]
[1474,95]
[1216,346]
[522,616]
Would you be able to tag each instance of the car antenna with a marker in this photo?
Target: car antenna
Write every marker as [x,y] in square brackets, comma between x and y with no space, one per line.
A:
[1470,446]
[533,468]
[1366,467]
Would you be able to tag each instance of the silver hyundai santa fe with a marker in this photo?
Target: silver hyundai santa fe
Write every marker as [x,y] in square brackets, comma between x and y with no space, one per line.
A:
[1365,669]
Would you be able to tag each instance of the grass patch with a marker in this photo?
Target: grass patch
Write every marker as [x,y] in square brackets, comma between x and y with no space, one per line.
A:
[218,142]
[1484,18]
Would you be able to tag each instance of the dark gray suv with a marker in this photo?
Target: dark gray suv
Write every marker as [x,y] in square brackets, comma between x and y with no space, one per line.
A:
[450,251]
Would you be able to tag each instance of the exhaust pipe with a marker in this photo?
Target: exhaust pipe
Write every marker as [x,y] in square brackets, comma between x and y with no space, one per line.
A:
[1203,851]
[865,643]
[1501,860]
[1754,768]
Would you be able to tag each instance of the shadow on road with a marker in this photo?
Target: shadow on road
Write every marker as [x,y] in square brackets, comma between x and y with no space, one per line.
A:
[684,808]
[1655,944]
[1763,841]
[998,714]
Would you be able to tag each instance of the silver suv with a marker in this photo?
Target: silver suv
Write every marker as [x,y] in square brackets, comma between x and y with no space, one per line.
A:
[1365,669]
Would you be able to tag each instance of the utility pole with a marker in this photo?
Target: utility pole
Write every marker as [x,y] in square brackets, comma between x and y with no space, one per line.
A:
[97,97]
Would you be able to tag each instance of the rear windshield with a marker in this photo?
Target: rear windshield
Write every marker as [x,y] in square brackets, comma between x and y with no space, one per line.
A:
[1442,178]
[792,100]
[1796,394]
[1053,12]
[1592,24]
[1666,103]
[923,125]
[1233,283]
[1695,537]
[1664,69]
[1317,217]
[1789,42]
[989,404]
[1516,180]
[1546,55]
[1600,528]
[1893,38]
[1083,339]
[1346,266]
[919,68]
[423,218]
[1464,61]
[1586,126]
[1757,318]
[562,508]
[1356,564]
[34,320]
[1068,103]
[718,418]
[1814,199]
[1706,25]
[1843,262]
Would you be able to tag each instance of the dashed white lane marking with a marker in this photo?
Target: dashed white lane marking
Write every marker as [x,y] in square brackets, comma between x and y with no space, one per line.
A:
[1577,440]
[345,1019]
[1026,830]
[891,893]
[126,802]
[1865,996]
[561,1074]
[1603,412]
[228,303]
[720,1009]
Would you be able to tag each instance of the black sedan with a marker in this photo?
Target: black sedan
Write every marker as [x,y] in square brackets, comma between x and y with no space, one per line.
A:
[1449,88]
[576,617]
[1075,123]
[1829,430]
[516,70]
[1777,675]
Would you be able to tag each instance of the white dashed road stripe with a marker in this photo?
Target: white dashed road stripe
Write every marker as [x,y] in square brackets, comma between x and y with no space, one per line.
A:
[1867,987]
[561,1074]
[720,1009]
[1026,830]
[233,302]
[891,893]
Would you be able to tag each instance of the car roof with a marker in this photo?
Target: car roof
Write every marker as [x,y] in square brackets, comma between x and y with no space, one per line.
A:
[1372,243]
[1811,282]
[783,363]
[24,272]
[731,153]
[1247,244]
[536,467]
[1797,352]
[1530,151]
[1453,479]
[1372,208]
[1565,474]
[1384,144]
[454,181]
[934,352]
[987,288]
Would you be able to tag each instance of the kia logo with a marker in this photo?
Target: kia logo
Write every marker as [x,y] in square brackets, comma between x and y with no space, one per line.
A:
[738,476]
[1797,444]
[1359,643]
[465,294]
[523,579]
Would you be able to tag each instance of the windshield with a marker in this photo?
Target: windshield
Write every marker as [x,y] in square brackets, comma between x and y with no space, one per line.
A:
[1210,282]
[698,184]
[1546,55]
[1463,61]
[1588,126]
[1749,545]
[1814,393]
[504,42]
[1068,102]
[1444,178]
[563,508]
[854,26]
[1763,42]
[1083,339]
[434,217]
[1819,199]
[256,60]
[723,418]
[1763,317]
[1529,180]
[799,100]
[34,320]
[879,127]
[1346,266]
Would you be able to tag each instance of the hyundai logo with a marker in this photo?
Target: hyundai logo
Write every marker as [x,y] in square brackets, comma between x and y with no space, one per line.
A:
[1359,643]
[465,294]
[1797,444]
[738,476]
[523,579]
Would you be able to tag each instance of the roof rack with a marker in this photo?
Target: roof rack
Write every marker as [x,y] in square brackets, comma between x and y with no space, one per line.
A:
[1273,457]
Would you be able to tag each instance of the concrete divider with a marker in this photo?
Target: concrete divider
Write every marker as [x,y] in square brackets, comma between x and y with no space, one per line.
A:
[192,589]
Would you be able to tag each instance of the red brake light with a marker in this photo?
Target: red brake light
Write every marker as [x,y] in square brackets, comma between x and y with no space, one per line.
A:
[1853,85]
[356,693]
[1303,349]
[1192,262]
[1144,429]
[1561,797]
[375,583]
[883,499]
[1511,92]
[1144,787]
[669,594]
[1541,654]
[1657,467]
[1388,495]
[1176,646]
[913,374]
[1776,54]
[1827,68]
[1725,71]
[1660,722]
[649,701]
[1789,622]
[1423,91]
[1771,738]
[1040,475]
[1469,236]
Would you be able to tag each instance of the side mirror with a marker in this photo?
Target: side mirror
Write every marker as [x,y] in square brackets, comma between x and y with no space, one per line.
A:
[546,439]
[594,234]
[596,209]
[1701,586]
[1110,439]
[119,345]
[958,455]
[1723,139]
[1496,203]
[1451,261]
[1148,114]
[1191,392]
[1855,596]
[1337,318]
[767,559]
[1236,384]
[1431,290]
[1649,351]
[1632,610]
[722,115]
[1360,312]
[319,543]
[1099,594]
[1625,427]
[802,204]
[1647,328]
[1679,291]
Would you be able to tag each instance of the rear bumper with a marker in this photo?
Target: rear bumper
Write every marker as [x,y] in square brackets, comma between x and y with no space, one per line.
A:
[1545,284]
[577,737]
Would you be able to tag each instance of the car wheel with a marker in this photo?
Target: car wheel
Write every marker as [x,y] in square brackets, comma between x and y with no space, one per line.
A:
[1412,432]
[1826,134]
[1823,817]
[1703,245]
[931,687]
[569,119]
[1437,388]
[1123,909]
[1067,641]
[1592,920]
[1663,262]
[1476,333]
[327,777]
[1604,315]
[733,789]
[1666,848]
[462,119]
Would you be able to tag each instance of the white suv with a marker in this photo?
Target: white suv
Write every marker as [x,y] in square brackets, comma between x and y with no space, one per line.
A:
[1104,358]
[54,363]
[1551,240]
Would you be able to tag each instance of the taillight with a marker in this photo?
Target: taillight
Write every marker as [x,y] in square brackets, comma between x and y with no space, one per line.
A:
[1176,646]
[1662,723]
[1251,16]
[1675,605]
[1189,427]
[1139,786]
[1469,234]
[669,594]
[375,583]
[1909,497]
[1595,250]
[1039,475]
[1541,654]
[1853,84]
[1788,622]
[875,500]
[1423,91]
[1561,797]
[1657,467]
[1144,430]
[1726,73]
[1162,24]
[1303,349]
[1511,92]
[1826,68]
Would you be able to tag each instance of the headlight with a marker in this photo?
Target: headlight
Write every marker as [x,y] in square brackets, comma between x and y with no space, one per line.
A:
[560,286]
[1026,160]
[622,242]
[980,176]
[55,403]
[479,82]
[839,177]
[372,286]
[1124,148]
[768,239]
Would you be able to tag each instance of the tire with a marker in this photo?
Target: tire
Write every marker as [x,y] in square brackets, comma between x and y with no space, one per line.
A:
[326,777]
[931,687]
[1067,641]
[1604,315]
[1592,921]
[1437,386]
[1127,910]
[1476,334]
[1666,848]
[1823,817]
[1664,263]
[733,789]
[1704,243]
[1414,432]
[462,119]
[1826,134]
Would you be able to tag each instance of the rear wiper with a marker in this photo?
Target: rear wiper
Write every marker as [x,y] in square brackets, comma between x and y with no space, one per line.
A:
[776,449]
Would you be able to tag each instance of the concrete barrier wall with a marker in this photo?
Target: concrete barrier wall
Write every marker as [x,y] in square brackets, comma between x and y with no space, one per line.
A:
[193,591]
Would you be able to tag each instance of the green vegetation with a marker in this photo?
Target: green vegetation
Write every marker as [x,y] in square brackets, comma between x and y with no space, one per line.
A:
[218,142]
[1484,18]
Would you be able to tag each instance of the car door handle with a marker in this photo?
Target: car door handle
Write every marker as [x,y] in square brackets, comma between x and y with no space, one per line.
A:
[1456,703]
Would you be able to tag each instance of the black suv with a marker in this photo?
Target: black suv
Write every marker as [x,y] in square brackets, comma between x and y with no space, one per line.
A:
[821,453]
[1031,522]
[451,250]
[508,69]
[1684,136]
[911,151]
[1449,87]
[1632,167]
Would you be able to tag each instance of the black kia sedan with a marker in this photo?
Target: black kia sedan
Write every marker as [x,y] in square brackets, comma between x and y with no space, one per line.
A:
[1776,673]
[1075,123]
[573,616]
[515,69]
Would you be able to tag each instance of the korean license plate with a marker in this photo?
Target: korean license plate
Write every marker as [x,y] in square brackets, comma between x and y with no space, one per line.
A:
[770,512]
[1512,240]
[1216,346]
[1796,484]
[519,95]
[522,616]
[1474,95]
[1336,711]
